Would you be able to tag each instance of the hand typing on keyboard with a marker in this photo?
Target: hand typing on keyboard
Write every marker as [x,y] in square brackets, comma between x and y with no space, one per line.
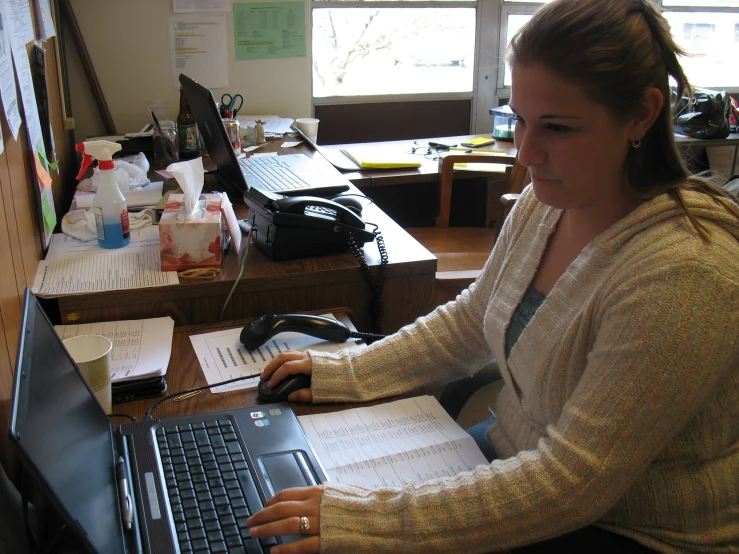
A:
[290,512]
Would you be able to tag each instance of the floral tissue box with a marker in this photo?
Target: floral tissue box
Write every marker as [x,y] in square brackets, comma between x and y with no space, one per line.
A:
[187,244]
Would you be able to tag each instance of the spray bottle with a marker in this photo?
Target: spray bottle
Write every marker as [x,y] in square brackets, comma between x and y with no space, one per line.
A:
[111,211]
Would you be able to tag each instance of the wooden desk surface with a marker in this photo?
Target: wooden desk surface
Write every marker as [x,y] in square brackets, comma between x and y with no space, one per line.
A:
[184,372]
[273,287]
[428,171]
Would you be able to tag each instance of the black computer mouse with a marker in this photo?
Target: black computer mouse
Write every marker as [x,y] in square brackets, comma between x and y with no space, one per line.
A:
[283,389]
[350,202]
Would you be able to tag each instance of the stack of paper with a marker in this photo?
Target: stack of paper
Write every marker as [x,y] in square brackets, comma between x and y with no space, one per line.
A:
[141,348]
[386,445]
[72,266]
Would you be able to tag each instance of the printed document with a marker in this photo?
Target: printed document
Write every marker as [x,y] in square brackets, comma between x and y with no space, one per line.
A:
[386,445]
[127,268]
[64,246]
[223,357]
[141,347]
[198,49]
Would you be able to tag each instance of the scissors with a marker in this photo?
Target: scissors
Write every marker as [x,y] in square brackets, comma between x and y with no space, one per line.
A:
[229,107]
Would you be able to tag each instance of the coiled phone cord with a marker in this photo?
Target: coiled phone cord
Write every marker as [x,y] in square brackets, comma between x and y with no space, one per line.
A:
[377,307]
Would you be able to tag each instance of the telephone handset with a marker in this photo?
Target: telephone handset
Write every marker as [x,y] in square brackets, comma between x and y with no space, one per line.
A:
[318,213]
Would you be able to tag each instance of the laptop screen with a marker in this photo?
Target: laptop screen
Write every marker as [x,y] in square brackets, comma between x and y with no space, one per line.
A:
[211,128]
[62,436]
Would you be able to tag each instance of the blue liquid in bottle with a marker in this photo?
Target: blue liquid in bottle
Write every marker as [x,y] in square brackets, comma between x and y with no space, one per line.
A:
[113,236]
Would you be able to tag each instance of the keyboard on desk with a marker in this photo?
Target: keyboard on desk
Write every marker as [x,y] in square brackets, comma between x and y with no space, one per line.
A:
[211,489]
[272,174]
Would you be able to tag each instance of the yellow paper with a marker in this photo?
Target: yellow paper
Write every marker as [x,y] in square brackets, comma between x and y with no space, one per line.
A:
[380,160]
[488,168]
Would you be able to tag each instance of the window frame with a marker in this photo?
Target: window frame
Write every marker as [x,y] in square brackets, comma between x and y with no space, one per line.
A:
[488,86]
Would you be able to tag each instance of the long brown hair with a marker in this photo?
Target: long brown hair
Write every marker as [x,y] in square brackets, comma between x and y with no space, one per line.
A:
[616,50]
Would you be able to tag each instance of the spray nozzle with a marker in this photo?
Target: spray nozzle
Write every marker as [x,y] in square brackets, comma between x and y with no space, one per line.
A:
[101,150]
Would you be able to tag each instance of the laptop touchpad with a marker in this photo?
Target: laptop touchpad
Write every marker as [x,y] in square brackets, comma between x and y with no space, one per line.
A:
[287,470]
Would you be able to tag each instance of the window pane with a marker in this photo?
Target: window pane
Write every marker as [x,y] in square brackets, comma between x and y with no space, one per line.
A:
[363,51]
[515,22]
[711,39]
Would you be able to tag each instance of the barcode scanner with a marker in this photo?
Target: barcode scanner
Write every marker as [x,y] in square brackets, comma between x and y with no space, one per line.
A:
[265,327]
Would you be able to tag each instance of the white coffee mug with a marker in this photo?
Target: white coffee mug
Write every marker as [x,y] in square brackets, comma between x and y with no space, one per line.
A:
[92,354]
[309,126]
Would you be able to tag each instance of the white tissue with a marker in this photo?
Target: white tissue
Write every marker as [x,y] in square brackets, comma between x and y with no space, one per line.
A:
[127,175]
[190,175]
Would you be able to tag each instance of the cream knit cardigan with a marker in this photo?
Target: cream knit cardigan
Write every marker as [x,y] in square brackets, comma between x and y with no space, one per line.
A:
[621,398]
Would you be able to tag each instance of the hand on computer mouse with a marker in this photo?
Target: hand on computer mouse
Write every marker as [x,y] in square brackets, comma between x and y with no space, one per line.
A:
[285,365]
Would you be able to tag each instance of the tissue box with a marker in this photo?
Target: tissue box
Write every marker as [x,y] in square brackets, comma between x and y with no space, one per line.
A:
[194,243]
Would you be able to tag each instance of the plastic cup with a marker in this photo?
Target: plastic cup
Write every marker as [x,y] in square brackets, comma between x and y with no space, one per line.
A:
[309,126]
[92,355]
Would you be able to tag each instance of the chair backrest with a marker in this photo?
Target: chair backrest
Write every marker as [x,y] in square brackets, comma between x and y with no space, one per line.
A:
[516,176]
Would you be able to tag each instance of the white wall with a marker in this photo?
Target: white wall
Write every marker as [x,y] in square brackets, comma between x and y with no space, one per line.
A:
[128,41]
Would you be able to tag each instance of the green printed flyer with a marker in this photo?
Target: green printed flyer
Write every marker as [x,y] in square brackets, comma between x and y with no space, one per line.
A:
[269,30]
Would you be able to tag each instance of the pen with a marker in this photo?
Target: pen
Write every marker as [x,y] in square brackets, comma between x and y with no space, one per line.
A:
[125,498]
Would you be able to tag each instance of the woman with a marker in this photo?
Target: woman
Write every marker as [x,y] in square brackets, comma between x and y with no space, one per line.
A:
[611,302]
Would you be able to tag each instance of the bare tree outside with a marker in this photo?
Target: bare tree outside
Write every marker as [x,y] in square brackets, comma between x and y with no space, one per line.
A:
[360,51]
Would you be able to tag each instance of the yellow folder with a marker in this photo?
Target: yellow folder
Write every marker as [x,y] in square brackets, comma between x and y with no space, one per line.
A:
[369,159]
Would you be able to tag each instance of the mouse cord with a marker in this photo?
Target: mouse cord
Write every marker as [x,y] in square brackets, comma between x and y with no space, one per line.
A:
[241,272]
[376,285]
[182,395]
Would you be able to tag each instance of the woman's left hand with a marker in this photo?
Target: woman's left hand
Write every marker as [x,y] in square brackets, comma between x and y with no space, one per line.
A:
[290,512]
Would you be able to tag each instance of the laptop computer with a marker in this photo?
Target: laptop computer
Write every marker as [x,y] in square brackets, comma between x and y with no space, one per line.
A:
[192,480]
[268,177]
[337,158]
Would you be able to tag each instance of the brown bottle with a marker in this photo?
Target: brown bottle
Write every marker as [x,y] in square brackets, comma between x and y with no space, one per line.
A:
[187,130]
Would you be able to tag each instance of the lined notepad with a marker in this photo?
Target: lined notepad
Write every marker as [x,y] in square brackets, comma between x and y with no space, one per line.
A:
[378,159]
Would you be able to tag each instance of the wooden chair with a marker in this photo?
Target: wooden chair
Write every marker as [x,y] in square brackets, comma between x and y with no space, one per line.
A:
[462,251]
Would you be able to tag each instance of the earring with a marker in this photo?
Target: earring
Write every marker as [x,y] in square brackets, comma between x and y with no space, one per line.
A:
[636,143]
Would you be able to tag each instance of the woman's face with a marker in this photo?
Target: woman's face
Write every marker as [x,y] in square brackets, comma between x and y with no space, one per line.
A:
[573,147]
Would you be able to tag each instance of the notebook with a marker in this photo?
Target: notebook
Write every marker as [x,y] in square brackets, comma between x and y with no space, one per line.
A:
[274,176]
[191,481]
[369,158]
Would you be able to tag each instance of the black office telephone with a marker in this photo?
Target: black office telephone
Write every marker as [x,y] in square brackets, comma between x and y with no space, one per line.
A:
[301,226]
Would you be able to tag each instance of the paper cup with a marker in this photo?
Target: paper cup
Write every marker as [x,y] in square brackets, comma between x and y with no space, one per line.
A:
[309,126]
[91,353]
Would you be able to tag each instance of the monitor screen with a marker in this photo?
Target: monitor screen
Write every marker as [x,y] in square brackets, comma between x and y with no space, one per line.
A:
[211,128]
[62,435]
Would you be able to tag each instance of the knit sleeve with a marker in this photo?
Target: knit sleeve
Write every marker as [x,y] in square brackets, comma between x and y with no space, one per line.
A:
[445,345]
[665,345]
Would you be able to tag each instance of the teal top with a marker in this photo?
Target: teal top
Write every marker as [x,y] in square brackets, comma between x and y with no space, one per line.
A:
[531,301]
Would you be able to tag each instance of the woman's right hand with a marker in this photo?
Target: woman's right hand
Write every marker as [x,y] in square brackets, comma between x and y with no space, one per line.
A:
[290,362]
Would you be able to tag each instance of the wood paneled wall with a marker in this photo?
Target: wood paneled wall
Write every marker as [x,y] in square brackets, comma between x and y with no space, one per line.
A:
[20,236]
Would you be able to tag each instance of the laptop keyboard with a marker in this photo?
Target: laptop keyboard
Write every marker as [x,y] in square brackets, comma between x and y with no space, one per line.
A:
[211,489]
[272,174]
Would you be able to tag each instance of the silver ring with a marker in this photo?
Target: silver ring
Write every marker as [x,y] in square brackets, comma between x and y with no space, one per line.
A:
[304,525]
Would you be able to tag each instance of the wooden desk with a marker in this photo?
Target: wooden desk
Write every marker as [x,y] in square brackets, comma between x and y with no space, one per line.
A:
[274,287]
[184,372]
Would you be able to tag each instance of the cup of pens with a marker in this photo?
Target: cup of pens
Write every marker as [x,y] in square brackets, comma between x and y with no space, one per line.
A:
[166,148]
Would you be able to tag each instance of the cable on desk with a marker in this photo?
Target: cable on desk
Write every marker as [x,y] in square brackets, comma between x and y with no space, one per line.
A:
[122,415]
[196,389]
[241,269]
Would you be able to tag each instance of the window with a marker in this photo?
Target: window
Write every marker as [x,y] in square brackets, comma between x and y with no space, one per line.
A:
[707,29]
[393,48]
[456,48]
